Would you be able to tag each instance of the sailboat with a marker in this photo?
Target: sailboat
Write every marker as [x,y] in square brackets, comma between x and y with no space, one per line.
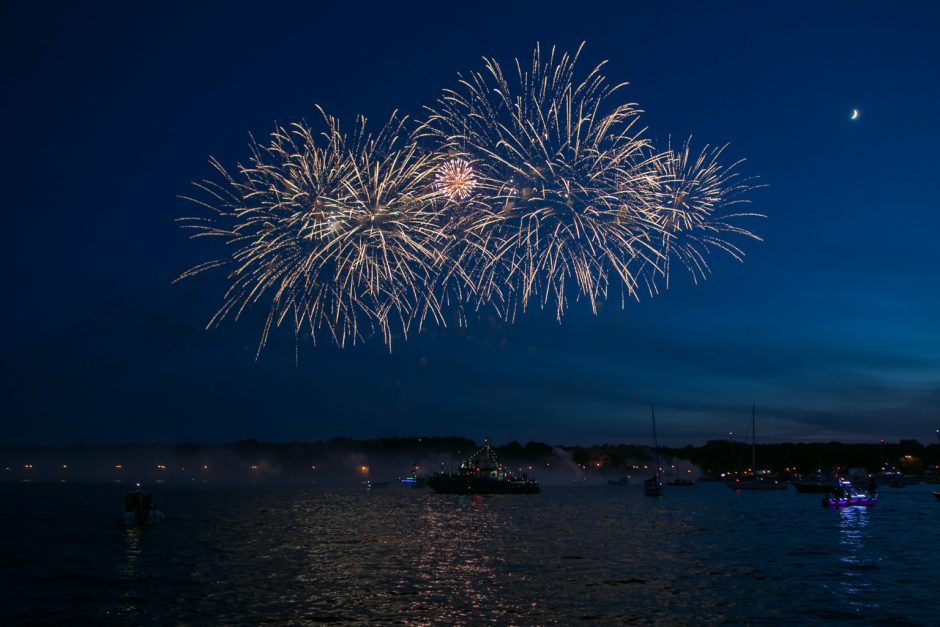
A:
[654,485]
[756,482]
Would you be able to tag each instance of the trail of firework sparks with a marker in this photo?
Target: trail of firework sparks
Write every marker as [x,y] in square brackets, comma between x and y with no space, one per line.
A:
[535,187]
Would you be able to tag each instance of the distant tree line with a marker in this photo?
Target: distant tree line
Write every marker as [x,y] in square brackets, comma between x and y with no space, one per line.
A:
[252,458]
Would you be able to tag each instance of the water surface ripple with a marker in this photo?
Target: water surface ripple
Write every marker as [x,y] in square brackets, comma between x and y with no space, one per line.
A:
[607,555]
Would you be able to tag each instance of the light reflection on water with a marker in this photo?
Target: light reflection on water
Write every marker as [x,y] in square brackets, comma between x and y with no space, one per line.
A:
[582,554]
[855,558]
[127,569]
[457,554]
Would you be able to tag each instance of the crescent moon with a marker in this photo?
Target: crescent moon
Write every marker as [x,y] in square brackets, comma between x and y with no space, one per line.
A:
[854,114]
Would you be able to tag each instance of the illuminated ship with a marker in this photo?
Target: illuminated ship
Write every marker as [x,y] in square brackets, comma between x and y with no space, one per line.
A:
[481,473]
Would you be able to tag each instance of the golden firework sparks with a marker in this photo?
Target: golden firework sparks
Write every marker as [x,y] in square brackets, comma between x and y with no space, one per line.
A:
[552,196]
[692,208]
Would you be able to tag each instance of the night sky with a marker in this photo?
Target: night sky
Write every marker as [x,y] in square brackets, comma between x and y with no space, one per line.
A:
[831,326]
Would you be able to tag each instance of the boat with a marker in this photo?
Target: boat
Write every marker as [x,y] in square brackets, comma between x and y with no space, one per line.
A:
[759,481]
[819,484]
[893,478]
[413,480]
[654,485]
[937,495]
[482,473]
[896,479]
[682,482]
[847,495]
[139,508]
[624,480]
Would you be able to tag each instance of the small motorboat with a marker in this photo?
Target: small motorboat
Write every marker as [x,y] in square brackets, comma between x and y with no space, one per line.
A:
[846,495]
[414,480]
[139,508]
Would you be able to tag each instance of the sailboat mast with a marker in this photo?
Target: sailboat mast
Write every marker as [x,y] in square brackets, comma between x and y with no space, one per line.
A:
[655,441]
[753,441]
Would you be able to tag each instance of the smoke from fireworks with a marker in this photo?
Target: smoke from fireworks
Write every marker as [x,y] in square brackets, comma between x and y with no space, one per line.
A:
[531,188]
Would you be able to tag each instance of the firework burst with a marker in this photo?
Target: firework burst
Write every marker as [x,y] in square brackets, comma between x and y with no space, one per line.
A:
[337,233]
[696,208]
[559,164]
[532,187]
[455,179]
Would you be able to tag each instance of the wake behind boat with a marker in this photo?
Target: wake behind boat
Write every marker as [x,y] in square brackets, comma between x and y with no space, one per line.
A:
[481,473]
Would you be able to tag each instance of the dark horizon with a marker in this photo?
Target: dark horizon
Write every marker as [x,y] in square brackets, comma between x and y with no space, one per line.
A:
[344,461]
[829,326]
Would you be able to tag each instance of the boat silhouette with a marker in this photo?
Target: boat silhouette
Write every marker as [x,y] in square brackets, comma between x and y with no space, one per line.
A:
[482,473]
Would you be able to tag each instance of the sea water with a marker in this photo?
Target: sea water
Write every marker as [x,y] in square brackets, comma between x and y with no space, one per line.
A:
[601,554]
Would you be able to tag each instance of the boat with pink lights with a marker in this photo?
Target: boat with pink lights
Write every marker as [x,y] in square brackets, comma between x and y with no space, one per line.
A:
[847,495]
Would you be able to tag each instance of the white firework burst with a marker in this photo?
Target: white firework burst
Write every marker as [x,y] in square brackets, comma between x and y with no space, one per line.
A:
[455,179]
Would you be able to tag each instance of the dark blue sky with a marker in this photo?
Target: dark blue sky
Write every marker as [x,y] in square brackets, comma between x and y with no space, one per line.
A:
[832,326]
